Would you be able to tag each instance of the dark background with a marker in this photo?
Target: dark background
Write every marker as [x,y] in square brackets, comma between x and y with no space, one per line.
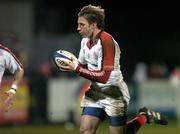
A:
[145,33]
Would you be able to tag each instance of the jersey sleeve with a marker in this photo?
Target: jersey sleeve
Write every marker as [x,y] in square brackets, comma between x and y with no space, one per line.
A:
[108,53]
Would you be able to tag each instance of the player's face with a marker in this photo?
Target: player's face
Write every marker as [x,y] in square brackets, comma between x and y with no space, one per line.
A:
[84,28]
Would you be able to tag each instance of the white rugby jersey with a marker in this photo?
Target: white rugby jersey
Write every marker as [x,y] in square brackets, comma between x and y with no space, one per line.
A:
[8,61]
[102,61]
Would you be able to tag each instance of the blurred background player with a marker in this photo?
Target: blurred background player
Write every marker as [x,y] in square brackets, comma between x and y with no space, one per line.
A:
[8,61]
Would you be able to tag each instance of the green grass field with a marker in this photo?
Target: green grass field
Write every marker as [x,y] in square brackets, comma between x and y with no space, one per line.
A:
[172,128]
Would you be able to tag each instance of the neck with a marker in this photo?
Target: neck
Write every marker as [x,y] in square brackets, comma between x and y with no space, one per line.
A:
[94,35]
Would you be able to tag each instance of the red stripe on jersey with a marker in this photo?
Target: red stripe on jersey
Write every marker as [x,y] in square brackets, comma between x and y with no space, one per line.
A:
[99,76]
[108,51]
[9,51]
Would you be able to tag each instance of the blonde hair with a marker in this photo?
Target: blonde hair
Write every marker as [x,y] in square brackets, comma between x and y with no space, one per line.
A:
[93,14]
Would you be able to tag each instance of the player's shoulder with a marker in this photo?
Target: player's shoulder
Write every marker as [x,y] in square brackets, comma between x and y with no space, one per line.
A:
[4,50]
[7,53]
[104,36]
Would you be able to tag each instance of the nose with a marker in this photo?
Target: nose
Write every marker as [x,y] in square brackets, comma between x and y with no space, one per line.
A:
[78,28]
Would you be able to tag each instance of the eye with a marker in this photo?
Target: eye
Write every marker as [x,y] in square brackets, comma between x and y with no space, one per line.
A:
[81,24]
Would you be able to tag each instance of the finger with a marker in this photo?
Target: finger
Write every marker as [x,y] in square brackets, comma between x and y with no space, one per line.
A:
[9,107]
[9,94]
[9,104]
[63,69]
[8,100]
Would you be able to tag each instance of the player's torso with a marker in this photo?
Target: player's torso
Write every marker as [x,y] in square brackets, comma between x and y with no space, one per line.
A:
[93,58]
[92,55]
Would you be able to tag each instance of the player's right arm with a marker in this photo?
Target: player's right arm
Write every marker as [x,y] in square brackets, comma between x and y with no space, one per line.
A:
[15,67]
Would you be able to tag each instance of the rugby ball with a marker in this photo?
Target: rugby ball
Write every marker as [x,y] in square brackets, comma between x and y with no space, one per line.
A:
[62,57]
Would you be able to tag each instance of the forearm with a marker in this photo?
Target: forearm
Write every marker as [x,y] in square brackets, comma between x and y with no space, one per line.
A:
[99,76]
[18,76]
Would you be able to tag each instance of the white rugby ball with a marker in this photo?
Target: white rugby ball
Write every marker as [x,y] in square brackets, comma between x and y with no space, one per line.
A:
[61,57]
